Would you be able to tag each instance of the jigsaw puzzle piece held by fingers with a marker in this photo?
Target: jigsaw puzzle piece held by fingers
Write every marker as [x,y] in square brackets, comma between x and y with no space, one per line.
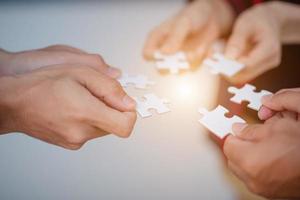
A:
[151,101]
[139,81]
[174,63]
[248,94]
[219,64]
[217,122]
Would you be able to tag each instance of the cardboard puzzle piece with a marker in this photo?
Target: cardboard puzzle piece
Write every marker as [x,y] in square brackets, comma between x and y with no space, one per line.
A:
[247,93]
[174,63]
[219,64]
[139,81]
[151,101]
[217,122]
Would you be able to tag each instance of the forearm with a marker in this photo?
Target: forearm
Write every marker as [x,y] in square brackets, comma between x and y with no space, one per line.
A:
[289,16]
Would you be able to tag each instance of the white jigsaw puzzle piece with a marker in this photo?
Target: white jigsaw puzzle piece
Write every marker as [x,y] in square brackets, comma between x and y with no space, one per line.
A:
[139,81]
[247,93]
[174,63]
[151,101]
[219,64]
[217,122]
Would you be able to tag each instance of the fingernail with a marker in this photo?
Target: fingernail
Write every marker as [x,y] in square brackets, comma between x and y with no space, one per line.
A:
[113,72]
[266,98]
[261,113]
[264,113]
[237,128]
[129,102]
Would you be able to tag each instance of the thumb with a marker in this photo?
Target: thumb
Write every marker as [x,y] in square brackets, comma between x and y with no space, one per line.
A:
[265,113]
[248,132]
[236,149]
[286,100]
[238,41]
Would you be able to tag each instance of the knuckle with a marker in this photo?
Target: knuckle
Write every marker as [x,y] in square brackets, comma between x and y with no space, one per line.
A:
[97,58]
[75,137]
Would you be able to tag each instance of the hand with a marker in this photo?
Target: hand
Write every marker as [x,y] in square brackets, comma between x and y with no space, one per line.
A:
[21,62]
[283,100]
[266,156]
[65,105]
[201,22]
[256,42]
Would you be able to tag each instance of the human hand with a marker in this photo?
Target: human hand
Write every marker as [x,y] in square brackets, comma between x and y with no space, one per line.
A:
[255,41]
[266,156]
[283,100]
[195,27]
[25,61]
[65,105]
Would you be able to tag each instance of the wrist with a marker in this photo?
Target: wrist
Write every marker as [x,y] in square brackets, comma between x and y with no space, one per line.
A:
[4,62]
[276,8]
[288,18]
[7,113]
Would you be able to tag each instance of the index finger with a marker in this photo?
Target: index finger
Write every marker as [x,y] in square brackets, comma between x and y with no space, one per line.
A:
[261,53]
[257,61]
[180,30]
[155,39]
[265,113]
[104,88]
[286,100]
